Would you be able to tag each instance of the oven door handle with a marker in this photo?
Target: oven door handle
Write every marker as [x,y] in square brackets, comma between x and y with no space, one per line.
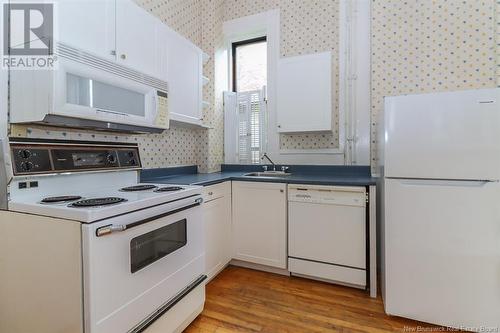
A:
[111,228]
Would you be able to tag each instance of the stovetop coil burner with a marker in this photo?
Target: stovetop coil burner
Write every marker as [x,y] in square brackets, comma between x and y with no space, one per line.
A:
[93,202]
[62,198]
[169,189]
[138,188]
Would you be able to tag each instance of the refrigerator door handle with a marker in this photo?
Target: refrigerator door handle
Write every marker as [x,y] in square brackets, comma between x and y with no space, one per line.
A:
[446,182]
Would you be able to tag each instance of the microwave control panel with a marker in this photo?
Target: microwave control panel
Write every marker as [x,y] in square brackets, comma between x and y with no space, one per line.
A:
[162,116]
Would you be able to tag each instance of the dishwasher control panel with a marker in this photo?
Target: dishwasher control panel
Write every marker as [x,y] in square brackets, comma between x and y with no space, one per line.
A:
[337,195]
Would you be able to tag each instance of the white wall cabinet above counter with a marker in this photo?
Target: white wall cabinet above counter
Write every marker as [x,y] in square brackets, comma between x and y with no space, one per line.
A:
[119,31]
[137,38]
[89,25]
[304,93]
[185,83]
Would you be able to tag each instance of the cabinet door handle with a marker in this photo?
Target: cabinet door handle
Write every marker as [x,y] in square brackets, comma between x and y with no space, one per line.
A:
[113,52]
[123,56]
[282,191]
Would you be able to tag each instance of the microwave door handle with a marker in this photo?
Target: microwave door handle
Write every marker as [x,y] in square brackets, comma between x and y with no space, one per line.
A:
[111,228]
[112,112]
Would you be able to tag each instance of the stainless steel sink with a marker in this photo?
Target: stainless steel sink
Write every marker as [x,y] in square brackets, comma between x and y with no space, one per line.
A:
[267,174]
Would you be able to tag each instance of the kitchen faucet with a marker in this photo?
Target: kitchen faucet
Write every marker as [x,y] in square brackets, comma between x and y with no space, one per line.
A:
[267,157]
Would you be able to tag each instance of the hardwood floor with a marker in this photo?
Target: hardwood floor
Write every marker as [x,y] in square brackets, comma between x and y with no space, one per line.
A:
[244,300]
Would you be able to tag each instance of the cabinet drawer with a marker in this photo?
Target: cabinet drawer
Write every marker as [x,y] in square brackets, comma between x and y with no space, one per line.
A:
[216,191]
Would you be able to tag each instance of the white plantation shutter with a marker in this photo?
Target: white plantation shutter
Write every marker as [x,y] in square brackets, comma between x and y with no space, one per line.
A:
[244,135]
[255,124]
[244,125]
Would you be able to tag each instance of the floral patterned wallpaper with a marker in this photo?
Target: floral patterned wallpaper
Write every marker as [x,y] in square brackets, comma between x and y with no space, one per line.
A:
[417,46]
[213,139]
[497,20]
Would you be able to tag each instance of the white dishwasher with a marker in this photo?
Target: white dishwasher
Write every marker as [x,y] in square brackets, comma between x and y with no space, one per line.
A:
[327,233]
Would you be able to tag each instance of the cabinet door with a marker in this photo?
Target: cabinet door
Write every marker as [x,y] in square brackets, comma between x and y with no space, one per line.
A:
[259,223]
[88,25]
[136,38]
[218,235]
[163,46]
[185,79]
[304,93]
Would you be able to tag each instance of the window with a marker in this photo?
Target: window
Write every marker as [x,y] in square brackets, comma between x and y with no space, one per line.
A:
[250,64]
[245,121]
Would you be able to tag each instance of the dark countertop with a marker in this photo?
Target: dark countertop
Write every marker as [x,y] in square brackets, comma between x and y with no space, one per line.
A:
[314,175]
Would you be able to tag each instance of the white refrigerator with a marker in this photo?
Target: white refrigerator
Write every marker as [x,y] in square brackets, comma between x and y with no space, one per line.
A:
[440,223]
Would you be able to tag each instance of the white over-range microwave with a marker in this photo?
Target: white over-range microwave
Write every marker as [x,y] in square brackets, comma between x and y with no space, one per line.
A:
[85,91]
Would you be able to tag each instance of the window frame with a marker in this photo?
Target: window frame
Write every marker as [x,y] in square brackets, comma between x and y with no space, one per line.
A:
[234,46]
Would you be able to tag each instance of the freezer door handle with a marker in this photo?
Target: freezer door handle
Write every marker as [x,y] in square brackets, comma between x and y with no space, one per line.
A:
[446,182]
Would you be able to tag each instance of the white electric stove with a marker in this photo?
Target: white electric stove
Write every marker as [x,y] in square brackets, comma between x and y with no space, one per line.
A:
[141,246]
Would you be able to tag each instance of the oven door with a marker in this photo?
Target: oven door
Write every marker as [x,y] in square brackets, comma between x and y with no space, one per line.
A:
[136,263]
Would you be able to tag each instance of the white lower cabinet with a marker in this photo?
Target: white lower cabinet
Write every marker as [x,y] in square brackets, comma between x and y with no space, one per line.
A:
[309,230]
[259,223]
[217,227]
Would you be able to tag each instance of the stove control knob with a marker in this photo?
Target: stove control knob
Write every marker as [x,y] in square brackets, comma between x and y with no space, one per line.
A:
[26,166]
[111,158]
[25,153]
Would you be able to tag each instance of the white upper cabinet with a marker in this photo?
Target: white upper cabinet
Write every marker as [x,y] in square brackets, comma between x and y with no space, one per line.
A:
[162,47]
[136,38]
[117,30]
[88,25]
[304,93]
[123,32]
[185,67]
